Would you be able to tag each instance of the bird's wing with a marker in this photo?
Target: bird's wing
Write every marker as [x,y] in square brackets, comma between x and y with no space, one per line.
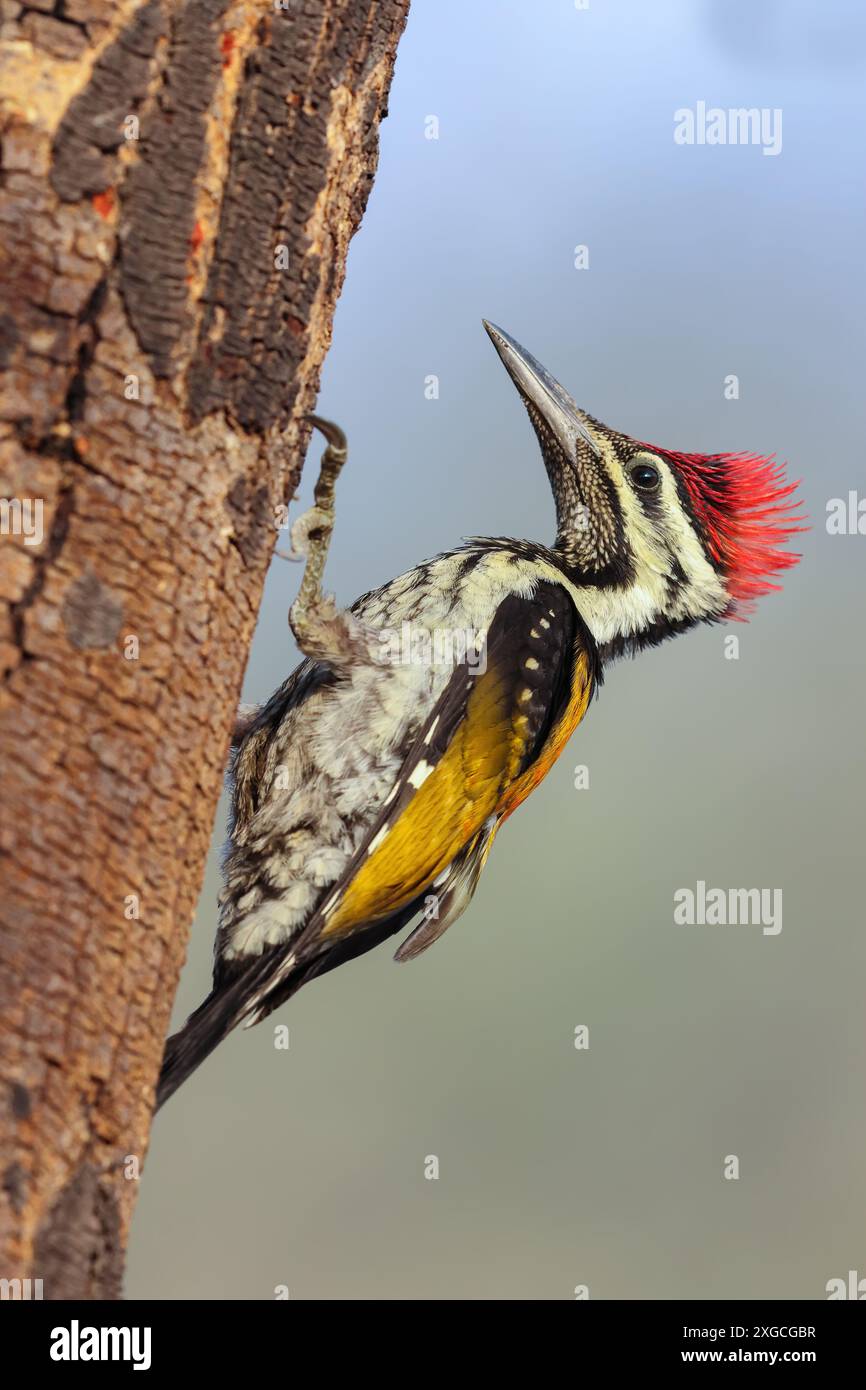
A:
[490,738]
[451,894]
[249,756]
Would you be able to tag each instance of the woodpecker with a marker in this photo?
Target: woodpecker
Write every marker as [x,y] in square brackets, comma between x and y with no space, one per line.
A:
[367,792]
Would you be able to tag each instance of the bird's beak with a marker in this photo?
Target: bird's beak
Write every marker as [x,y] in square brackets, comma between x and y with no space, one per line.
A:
[562,416]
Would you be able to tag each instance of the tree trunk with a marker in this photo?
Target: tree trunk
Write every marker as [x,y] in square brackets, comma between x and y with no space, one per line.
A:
[180,181]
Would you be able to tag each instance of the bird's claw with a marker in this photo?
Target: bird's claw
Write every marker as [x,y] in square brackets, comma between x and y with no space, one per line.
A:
[337,443]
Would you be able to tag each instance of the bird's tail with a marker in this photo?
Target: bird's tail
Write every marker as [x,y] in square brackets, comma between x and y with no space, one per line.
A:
[259,988]
[196,1040]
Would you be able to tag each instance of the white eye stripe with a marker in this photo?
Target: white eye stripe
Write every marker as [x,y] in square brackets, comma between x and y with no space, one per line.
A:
[703,591]
[661,540]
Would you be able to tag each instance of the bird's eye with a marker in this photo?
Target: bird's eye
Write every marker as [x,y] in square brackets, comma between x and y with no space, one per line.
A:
[645,476]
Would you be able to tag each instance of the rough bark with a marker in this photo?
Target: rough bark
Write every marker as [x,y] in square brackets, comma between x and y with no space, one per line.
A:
[158,354]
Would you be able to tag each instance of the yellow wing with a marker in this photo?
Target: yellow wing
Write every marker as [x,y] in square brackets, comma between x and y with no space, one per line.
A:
[490,740]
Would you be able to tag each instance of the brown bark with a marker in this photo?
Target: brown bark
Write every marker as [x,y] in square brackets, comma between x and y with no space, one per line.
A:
[157,361]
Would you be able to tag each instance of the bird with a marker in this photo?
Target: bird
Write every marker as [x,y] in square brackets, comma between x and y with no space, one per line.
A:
[367,792]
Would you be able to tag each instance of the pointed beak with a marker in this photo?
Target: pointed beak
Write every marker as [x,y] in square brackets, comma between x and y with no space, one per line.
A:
[566,420]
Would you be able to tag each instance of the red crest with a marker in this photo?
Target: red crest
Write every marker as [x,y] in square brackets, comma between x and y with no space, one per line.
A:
[746,510]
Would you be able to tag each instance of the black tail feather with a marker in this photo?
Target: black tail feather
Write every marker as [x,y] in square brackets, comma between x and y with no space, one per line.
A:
[188,1048]
[223,1009]
[213,1020]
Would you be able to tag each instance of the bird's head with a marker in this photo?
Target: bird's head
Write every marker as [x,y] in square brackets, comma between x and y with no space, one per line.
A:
[656,540]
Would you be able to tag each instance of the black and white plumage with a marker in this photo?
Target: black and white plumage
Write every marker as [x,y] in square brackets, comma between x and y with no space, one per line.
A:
[367,792]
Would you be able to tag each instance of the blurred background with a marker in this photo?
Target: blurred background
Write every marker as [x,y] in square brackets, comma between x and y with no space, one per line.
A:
[601,1167]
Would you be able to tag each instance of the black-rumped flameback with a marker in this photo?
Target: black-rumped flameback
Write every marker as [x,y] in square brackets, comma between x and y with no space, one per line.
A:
[368,791]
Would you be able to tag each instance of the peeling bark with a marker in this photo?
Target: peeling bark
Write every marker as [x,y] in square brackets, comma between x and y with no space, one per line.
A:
[179,183]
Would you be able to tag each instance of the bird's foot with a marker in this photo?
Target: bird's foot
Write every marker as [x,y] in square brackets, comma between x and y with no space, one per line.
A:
[322,630]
